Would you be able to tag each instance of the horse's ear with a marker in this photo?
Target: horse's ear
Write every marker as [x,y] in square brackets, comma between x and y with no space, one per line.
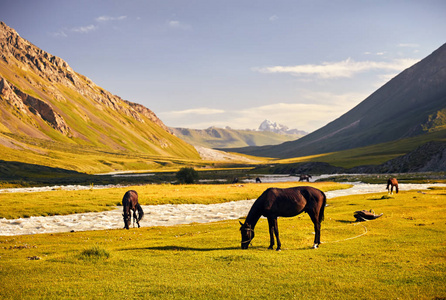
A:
[240,223]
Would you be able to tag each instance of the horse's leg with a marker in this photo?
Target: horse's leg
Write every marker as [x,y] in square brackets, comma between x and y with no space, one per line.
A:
[276,232]
[317,229]
[271,233]
[136,217]
[126,215]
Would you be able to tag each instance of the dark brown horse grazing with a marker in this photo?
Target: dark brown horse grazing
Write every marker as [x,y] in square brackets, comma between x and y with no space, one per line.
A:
[393,183]
[130,202]
[290,202]
[303,177]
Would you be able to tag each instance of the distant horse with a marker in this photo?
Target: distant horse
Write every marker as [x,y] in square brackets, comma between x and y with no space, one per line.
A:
[235,180]
[258,180]
[290,202]
[304,177]
[130,202]
[393,183]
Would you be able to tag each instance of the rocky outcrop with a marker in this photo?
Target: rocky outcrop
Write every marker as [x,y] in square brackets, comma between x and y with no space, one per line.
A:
[39,91]
[430,157]
[16,51]
[44,111]
[26,104]
[8,95]
[19,52]
[148,114]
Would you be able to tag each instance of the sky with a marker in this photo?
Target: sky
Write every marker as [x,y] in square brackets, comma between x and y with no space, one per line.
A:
[203,63]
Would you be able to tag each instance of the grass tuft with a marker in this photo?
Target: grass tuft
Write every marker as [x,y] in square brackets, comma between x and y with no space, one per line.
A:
[94,253]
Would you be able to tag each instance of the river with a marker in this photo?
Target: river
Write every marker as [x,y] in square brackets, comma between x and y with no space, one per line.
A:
[161,215]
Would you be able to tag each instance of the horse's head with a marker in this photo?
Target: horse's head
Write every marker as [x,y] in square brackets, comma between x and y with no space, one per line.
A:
[247,234]
[127,219]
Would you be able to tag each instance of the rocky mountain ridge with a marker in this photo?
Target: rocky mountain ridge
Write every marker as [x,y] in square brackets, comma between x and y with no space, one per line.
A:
[41,96]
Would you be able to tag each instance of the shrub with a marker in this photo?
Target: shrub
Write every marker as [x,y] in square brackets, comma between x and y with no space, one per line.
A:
[187,175]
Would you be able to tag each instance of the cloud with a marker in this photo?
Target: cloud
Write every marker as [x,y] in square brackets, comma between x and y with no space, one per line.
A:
[88,28]
[195,118]
[108,18]
[307,117]
[175,24]
[273,18]
[59,34]
[319,109]
[84,29]
[195,111]
[408,45]
[346,68]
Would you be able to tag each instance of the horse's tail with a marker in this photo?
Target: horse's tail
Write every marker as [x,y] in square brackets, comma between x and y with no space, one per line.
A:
[140,211]
[324,203]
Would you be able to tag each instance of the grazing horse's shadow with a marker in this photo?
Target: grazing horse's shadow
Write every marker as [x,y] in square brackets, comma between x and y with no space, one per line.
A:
[180,248]
[345,221]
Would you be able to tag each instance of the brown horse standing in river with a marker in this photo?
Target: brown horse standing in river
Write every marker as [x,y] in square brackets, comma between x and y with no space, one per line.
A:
[304,177]
[130,202]
[392,182]
[290,202]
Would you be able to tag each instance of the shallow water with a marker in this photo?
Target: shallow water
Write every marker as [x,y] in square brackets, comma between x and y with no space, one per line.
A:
[163,215]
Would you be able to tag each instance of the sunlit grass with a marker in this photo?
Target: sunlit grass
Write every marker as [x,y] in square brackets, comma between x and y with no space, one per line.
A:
[398,256]
[62,202]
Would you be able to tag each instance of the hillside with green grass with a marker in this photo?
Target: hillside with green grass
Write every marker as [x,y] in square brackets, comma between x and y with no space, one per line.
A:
[53,116]
[411,104]
[229,138]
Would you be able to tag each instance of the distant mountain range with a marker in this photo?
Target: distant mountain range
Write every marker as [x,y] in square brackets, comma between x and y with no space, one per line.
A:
[43,100]
[411,104]
[269,133]
[269,126]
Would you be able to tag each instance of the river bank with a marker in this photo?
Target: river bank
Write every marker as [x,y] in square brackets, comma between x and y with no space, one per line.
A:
[164,215]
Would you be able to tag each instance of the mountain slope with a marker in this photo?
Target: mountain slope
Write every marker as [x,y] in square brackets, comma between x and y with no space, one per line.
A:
[410,104]
[41,97]
[227,138]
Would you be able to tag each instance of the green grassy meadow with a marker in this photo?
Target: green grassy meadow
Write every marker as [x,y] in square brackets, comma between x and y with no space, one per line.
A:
[400,255]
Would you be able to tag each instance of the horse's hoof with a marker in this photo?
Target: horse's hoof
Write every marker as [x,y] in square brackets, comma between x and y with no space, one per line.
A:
[270,248]
[315,246]
[278,249]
